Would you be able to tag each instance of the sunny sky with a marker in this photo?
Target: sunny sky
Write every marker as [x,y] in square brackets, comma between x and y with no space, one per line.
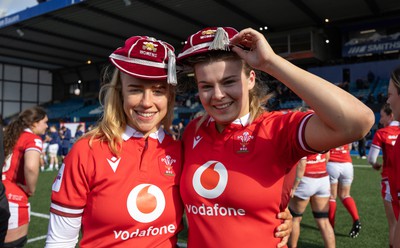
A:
[9,7]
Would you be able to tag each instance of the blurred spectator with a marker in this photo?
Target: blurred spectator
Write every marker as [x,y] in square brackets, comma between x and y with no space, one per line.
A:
[370,77]
[180,129]
[80,130]
[43,157]
[361,148]
[90,127]
[370,98]
[54,145]
[65,136]
[381,98]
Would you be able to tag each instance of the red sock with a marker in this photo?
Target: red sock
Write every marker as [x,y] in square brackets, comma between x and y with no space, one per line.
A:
[351,207]
[332,212]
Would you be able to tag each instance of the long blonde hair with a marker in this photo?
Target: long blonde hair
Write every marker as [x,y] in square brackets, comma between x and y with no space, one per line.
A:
[113,122]
[257,95]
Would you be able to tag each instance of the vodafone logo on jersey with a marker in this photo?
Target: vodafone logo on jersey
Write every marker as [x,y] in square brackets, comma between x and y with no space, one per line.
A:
[210,179]
[145,203]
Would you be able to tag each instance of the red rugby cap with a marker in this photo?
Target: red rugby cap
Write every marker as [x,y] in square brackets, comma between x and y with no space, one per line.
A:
[211,38]
[146,58]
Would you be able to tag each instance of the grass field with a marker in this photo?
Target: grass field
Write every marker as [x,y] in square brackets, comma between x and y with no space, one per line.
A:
[365,191]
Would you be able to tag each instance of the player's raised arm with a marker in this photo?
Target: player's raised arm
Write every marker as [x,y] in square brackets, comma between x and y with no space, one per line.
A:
[340,117]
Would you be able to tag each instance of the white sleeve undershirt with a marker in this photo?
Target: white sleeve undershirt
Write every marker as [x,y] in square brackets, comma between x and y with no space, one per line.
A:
[63,232]
[373,154]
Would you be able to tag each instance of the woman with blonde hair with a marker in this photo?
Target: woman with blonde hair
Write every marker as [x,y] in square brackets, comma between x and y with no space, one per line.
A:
[120,180]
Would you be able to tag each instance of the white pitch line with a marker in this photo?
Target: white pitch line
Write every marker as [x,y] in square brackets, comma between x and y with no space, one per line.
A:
[362,166]
[46,216]
[37,238]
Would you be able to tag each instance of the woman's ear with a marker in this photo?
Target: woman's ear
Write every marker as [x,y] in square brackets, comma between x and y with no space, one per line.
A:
[251,80]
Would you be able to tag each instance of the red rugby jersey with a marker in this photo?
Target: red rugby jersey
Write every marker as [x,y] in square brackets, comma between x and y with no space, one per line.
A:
[315,165]
[394,178]
[13,169]
[340,154]
[127,201]
[384,139]
[233,183]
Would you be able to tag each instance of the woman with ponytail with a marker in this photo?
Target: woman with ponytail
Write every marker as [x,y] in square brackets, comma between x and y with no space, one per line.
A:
[22,149]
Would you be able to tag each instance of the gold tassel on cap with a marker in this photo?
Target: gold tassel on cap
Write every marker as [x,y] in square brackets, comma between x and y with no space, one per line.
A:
[221,40]
[171,78]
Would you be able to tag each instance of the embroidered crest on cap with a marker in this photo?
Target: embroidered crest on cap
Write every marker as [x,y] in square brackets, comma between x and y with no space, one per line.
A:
[208,33]
[149,49]
[150,46]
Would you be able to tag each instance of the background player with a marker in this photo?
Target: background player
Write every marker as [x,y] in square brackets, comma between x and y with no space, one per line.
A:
[22,147]
[384,140]
[341,174]
[394,180]
[312,185]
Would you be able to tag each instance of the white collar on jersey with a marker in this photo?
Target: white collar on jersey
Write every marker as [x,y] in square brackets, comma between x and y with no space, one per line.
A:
[394,123]
[28,130]
[131,132]
[244,120]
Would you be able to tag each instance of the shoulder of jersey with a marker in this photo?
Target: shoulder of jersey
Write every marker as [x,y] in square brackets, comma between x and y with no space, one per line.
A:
[84,142]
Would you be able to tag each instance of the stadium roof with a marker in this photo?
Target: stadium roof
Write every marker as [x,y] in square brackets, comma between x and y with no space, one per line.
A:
[60,34]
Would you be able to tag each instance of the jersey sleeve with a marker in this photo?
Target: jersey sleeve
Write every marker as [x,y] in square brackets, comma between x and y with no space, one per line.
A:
[71,186]
[63,232]
[290,140]
[377,140]
[33,142]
